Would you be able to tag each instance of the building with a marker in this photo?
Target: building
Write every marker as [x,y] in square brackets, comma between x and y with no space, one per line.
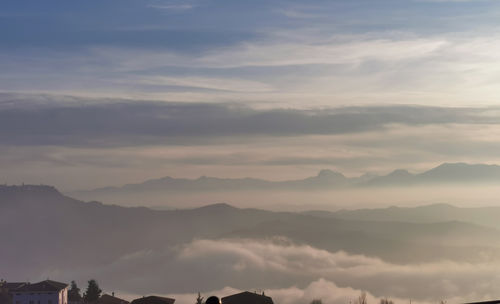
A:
[247,297]
[111,299]
[45,292]
[153,300]
[6,290]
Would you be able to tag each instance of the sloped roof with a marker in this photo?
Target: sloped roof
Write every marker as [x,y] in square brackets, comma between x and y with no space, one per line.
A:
[153,300]
[13,285]
[43,286]
[107,299]
[247,297]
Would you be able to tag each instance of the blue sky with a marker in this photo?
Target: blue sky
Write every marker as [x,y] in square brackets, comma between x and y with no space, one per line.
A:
[250,56]
[271,53]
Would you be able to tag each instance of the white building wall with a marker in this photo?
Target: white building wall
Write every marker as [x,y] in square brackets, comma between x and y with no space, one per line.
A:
[60,297]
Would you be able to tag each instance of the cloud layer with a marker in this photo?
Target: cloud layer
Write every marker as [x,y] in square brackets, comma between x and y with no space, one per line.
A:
[129,123]
[46,137]
[294,273]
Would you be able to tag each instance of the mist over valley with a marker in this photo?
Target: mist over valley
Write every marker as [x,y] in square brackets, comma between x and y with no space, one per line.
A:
[398,252]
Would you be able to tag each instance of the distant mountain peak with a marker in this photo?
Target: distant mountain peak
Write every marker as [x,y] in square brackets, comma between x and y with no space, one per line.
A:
[463,172]
[217,207]
[446,164]
[437,206]
[463,165]
[451,166]
[400,173]
[327,173]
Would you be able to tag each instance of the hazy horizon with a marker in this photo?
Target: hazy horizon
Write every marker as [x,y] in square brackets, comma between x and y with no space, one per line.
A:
[459,184]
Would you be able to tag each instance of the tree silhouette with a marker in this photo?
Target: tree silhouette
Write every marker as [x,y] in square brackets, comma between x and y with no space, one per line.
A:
[362,298]
[316,301]
[386,301]
[199,299]
[93,292]
[74,293]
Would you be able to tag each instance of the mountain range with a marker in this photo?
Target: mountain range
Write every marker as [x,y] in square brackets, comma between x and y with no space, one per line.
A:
[484,216]
[44,232]
[446,173]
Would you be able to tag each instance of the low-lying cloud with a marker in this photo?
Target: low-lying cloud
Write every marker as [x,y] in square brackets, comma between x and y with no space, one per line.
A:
[293,273]
[323,290]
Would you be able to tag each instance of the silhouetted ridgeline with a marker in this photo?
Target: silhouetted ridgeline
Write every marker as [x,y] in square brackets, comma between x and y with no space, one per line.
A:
[66,232]
[447,173]
[16,190]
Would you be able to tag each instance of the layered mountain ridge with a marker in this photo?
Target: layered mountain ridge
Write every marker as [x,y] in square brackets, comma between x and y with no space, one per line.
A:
[50,233]
[446,173]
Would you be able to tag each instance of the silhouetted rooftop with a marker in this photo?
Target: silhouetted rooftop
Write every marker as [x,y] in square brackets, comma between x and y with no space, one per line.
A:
[13,285]
[486,302]
[247,297]
[153,300]
[46,285]
[107,299]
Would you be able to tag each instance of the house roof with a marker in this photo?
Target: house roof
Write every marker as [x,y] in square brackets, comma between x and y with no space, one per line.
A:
[153,300]
[107,299]
[46,285]
[486,302]
[6,288]
[12,285]
[247,297]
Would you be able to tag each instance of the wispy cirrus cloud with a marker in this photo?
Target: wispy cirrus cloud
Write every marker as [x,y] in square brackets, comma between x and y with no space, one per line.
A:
[172,5]
[323,52]
[279,68]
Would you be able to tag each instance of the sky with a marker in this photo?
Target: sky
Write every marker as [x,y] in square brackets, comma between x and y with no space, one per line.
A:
[99,93]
